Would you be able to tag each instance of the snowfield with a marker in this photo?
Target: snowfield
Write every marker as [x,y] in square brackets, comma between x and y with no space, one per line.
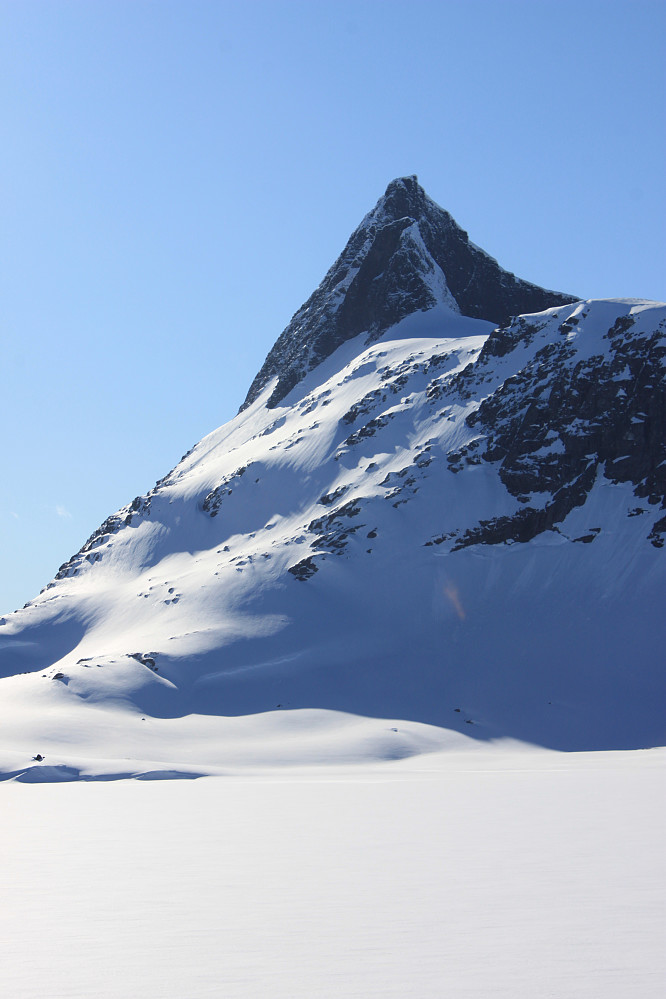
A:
[512,874]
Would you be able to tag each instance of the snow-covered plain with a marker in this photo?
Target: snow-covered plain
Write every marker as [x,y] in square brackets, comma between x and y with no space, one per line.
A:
[512,874]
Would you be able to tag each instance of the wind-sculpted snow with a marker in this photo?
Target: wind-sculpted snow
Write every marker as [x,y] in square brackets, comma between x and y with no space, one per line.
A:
[407,256]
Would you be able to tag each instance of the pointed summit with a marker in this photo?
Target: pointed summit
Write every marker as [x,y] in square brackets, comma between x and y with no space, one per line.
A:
[404,197]
[407,255]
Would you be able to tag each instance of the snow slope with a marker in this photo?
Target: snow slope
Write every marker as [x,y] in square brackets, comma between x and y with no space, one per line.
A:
[373,568]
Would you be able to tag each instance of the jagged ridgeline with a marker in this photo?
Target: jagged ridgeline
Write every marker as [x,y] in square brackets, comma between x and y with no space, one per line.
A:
[406,256]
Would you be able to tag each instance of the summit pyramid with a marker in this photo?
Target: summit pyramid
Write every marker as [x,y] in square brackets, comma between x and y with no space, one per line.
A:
[408,255]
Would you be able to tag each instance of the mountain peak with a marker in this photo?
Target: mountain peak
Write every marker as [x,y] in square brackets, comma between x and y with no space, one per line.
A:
[408,255]
[404,196]
[410,182]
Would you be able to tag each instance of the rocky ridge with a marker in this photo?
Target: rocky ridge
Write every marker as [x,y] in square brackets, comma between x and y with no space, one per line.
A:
[407,255]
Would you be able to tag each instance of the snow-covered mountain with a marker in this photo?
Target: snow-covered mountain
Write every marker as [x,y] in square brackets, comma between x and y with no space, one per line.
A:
[437,520]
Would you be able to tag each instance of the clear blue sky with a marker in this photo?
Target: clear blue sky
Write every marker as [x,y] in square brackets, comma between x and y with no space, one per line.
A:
[178,176]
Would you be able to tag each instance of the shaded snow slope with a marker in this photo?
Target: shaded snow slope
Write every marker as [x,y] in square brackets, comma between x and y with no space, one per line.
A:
[407,256]
[450,535]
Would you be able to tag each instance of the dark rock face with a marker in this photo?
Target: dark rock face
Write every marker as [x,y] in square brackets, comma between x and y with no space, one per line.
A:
[214,499]
[406,256]
[562,418]
[304,569]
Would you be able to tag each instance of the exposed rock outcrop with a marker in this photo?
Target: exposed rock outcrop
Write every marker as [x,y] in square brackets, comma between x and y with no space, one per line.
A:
[407,255]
